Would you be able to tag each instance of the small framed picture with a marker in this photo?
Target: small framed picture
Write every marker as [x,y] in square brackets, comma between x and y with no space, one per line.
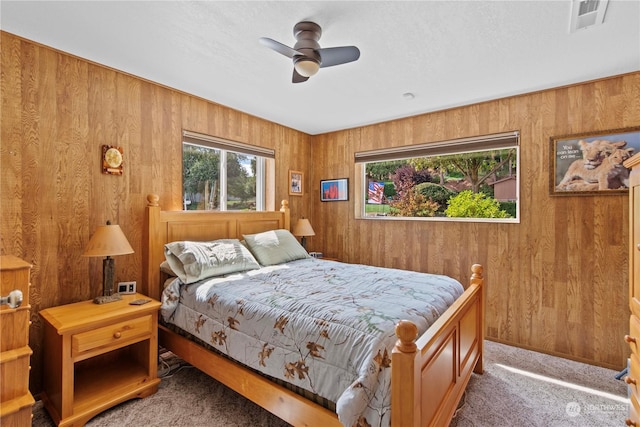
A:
[295,183]
[112,160]
[127,288]
[334,190]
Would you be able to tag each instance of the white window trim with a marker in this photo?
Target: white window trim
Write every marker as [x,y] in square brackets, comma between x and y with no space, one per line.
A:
[223,180]
[260,183]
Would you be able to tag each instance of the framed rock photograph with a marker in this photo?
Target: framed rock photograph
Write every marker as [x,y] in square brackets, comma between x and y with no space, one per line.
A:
[334,190]
[592,163]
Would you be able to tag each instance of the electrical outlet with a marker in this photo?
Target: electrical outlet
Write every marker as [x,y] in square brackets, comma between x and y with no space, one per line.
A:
[127,287]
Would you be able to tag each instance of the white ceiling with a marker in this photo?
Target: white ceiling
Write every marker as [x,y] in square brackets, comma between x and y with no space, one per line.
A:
[447,53]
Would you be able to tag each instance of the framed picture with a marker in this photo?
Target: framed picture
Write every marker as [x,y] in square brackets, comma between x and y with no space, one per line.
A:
[589,164]
[334,190]
[295,183]
[112,160]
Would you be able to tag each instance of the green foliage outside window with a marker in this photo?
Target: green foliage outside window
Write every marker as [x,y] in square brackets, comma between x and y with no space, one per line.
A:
[241,180]
[476,167]
[468,204]
[436,193]
[413,204]
[381,171]
[200,174]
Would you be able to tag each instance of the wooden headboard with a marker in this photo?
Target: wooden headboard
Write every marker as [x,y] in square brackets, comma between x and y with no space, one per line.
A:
[162,227]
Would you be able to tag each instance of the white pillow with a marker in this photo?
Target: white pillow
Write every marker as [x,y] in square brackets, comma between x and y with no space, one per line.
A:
[193,261]
[275,247]
[166,269]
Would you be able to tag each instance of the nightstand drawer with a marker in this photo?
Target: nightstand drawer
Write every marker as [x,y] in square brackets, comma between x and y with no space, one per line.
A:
[108,335]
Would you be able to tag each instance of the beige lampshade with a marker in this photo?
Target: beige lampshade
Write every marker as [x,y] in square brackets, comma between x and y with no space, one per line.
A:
[108,240]
[303,228]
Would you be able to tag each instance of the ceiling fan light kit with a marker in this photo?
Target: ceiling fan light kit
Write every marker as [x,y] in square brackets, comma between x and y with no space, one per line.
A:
[307,55]
[306,67]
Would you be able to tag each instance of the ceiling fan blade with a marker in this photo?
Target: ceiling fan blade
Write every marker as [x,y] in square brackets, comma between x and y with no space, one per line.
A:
[297,78]
[279,47]
[338,55]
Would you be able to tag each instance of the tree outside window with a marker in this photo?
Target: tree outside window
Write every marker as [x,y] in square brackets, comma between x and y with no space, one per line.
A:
[215,179]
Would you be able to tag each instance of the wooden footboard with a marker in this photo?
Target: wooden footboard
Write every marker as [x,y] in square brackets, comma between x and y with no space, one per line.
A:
[429,374]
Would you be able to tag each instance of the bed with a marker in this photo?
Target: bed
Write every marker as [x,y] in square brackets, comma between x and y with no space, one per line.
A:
[428,373]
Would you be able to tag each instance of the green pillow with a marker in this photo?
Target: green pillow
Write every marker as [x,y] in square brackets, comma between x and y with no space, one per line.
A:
[275,247]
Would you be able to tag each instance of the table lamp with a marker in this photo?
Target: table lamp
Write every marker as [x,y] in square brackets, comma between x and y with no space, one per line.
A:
[303,229]
[107,241]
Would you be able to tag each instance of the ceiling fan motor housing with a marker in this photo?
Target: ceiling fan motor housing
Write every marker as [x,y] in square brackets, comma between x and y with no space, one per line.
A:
[307,30]
[307,35]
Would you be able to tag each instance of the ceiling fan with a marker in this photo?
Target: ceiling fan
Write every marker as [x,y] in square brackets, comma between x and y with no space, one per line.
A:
[307,55]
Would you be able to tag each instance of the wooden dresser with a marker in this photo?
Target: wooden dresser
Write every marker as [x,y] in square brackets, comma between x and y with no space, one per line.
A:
[15,399]
[633,378]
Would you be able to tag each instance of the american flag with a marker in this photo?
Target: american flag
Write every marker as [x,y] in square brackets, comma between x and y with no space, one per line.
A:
[376,191]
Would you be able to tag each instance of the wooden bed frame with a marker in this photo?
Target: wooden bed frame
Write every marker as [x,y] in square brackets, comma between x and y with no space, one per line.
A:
[429,374]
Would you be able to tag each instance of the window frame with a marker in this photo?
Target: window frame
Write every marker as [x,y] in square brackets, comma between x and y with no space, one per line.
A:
[499,141]
[265,167]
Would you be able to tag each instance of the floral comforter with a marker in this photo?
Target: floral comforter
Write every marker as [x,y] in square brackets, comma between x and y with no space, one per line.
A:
[325,326]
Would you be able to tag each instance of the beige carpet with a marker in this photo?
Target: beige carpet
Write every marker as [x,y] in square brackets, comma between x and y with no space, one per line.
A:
[564,393]
[526,388]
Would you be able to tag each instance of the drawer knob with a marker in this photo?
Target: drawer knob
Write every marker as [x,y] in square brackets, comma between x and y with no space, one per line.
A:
[638,246]
[117,335]
[13,300]
[629,339]
[629,380]
[630,422]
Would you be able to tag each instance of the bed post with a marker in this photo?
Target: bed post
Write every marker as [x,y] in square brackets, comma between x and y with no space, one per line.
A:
[284,208]
[151,260]
[405,377]
[477,279]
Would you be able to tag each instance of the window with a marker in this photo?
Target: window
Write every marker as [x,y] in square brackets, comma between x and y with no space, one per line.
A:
[219,174]
[470,179]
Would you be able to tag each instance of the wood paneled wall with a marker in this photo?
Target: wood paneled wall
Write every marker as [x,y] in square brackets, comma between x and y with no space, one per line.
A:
[557,282]
[57,112]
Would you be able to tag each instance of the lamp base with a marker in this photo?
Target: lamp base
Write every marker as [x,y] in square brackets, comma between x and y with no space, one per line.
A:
[108,269]
[105,299]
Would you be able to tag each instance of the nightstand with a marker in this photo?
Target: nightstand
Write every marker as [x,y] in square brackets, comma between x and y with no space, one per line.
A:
[98,355]
[326,258]
[319,255]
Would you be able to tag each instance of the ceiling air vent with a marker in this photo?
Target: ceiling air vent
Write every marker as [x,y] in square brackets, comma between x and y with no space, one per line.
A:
[585,13]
